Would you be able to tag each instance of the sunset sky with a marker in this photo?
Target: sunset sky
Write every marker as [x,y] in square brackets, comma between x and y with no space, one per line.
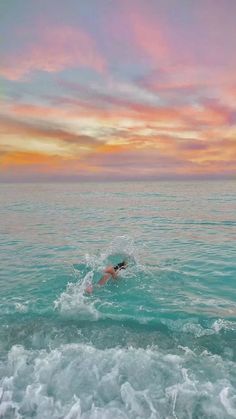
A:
[117,89]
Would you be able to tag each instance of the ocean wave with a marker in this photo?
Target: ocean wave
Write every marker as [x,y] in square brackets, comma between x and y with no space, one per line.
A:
[78,380]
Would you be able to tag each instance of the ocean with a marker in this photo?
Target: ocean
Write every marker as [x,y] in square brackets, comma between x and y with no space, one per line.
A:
[158,342]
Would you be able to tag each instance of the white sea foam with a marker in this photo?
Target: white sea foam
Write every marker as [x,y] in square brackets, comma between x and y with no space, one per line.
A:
[196,329]
[222,324]
[74,301]
[80,381]
[20,307]
[229,401]
[193,327]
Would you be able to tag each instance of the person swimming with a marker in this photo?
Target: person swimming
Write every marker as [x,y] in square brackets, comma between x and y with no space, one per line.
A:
[109,272]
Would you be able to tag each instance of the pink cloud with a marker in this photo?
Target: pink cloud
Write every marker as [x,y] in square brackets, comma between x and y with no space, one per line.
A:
[113,109]
[136,33]
[211,113]
[54,48]
[150,36]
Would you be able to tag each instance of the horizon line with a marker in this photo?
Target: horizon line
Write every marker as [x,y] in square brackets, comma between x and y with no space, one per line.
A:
[117,180]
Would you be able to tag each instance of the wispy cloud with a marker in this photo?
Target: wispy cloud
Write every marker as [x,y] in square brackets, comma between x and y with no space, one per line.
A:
[49,140]
[53,49]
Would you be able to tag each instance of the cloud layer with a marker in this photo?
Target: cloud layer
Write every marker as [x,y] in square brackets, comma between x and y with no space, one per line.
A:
[138,92]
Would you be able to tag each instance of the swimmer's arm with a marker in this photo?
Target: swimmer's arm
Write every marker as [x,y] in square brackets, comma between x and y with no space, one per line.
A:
[90,288]
[104,279]
[109,272]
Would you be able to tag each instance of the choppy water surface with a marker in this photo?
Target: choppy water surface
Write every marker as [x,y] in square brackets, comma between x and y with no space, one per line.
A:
[159,342]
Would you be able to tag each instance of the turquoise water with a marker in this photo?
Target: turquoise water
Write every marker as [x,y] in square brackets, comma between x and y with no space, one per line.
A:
[159,342]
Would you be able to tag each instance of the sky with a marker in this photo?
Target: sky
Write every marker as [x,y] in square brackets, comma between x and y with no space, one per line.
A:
[117,90]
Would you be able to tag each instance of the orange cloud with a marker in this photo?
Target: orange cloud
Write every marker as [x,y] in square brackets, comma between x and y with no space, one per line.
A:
[163,156]
[119,109]
[170,159]
[30,159]
[42,131]
[27,165]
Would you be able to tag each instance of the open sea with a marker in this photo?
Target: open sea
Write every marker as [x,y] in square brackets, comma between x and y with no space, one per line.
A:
[159,342]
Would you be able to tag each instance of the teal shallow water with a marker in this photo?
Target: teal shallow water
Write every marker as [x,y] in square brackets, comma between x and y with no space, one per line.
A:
[158,343]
